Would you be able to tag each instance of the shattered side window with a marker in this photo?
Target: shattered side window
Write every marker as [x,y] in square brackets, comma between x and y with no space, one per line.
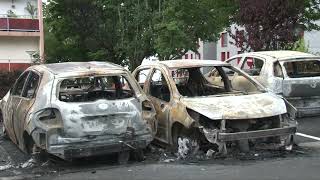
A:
[298,69]
[94,88]
[252,66]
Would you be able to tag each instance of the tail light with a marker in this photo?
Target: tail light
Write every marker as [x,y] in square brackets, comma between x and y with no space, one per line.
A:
[47,114]
[50,116]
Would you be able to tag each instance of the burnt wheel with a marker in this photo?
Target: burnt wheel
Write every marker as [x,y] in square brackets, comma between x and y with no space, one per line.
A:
[4,132]
[138,155]
[288,143]
[244,145]
[38,154]
[123,157]
[185,142]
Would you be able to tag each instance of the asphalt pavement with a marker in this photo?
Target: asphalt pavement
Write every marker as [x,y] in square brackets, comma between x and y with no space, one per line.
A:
[301,163]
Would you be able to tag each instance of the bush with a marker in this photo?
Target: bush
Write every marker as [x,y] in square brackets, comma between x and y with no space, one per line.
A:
[7,79]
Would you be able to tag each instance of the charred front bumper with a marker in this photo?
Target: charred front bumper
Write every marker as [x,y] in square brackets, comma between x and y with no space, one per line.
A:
[257,134]
[288,127]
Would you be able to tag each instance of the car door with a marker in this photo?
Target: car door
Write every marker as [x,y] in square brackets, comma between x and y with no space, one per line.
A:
[159,92]
[27,99]
[13,102]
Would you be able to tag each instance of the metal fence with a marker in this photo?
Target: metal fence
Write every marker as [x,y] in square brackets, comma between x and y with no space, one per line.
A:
[14,64]
[19,24]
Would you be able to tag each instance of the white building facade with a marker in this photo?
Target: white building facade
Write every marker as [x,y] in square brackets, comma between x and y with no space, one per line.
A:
[312,41]
[21,33]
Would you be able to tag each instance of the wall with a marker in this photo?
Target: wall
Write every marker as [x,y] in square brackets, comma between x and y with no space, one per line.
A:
[231,48]
[14,48]
[19,9]
[209,51]
[312,40]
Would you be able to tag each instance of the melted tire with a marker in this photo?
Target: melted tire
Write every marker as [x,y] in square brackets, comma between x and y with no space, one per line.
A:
[123,157]
[138,155]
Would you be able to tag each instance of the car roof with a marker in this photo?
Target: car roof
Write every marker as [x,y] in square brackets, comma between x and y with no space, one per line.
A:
[281,55]
[79,67]
[185,63]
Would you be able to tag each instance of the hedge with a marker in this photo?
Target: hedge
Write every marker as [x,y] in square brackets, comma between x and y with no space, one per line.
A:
[7,79]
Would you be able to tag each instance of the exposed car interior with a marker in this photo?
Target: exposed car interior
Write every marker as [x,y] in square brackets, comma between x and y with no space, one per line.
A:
[94,88]
[299,69]
[159,87]
[210,81]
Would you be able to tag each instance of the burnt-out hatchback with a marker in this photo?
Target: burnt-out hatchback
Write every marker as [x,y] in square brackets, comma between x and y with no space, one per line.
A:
[80,109]
[207,104]
[293,75]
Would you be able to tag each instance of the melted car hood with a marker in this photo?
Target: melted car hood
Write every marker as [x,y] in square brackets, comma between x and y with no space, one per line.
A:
[237,106]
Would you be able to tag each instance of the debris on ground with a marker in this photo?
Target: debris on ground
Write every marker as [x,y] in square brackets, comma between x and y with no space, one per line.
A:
[168,160]
[183,148]
[5,167]
[210,153]
[30,163]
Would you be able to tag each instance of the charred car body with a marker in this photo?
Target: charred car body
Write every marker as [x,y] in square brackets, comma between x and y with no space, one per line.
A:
[74,110]
[293,75]
[212,103]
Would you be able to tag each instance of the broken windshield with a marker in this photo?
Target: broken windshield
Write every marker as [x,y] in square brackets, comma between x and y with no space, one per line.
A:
[298,69]
[94,88]
[215,80]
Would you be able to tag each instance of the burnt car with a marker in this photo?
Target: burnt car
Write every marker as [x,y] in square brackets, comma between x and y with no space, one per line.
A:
[293,75]
[213,104]
[78,109]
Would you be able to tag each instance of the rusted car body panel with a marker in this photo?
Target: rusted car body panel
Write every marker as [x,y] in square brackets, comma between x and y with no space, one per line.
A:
[301,91]
[73,129]
[215,115]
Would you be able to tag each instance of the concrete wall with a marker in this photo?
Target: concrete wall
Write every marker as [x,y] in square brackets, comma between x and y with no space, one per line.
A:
[14,49]
[210,50]
[19,6]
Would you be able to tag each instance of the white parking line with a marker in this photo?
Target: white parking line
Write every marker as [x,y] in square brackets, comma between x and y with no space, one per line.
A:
[308,136]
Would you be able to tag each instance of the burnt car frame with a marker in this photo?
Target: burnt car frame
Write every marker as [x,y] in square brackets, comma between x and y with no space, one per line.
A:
[218,114]
[78,109]
[293,75]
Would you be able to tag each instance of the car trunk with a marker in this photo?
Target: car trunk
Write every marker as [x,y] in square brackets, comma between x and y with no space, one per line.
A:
[102,117]
[301,87]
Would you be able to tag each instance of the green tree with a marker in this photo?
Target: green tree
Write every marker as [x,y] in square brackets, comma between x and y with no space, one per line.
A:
[183,23]
[125,32]
[32,9]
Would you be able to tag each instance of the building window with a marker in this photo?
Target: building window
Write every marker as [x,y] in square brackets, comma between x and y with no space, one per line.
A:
[239,58]
[228,55]
[191,56]
[186,56]
[223,56]
[199,56]
[224,39]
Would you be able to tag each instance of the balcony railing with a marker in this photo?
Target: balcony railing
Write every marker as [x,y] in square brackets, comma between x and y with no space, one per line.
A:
[24,24]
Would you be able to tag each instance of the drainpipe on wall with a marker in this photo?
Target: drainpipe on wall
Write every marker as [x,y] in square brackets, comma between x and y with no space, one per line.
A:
[9,62]
[41,42]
